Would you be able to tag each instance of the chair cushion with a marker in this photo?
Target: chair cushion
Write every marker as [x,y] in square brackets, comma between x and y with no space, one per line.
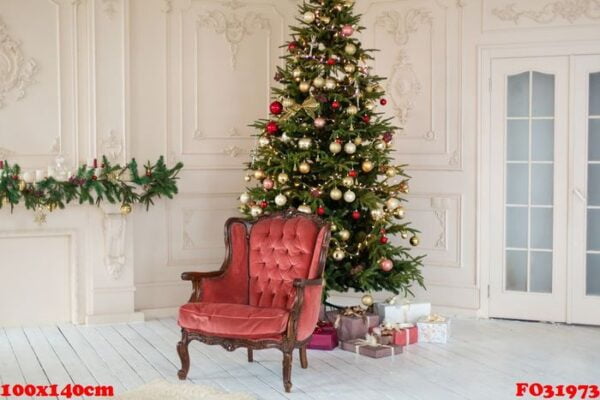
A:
[234,320]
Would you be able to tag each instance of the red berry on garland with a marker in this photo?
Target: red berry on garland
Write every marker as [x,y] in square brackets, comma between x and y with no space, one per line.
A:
[356,214]
[384,240]
[353,173]
[94,178]
[383,102]
[276,108]
[293,46]
[264,204]
[272,128]
[335,105]
[366,119]
[331,61]
[321,210]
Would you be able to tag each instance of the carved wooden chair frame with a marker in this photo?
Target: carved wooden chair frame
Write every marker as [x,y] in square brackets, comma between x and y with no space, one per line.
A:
[289,341]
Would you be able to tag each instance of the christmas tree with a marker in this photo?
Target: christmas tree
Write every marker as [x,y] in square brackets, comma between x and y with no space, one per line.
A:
[326,149]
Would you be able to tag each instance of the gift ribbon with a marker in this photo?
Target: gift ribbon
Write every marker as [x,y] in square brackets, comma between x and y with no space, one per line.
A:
[371,340]
[310,105]
[355,311]
[434,318]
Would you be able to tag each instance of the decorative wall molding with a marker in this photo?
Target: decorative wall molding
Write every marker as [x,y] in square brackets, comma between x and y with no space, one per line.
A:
[167,6]
[569,10]
[233,151]
[114,244]
[5,153]
[110,8]
[55,148]
[234,28]
[16,73]
[401,25]
[403,86]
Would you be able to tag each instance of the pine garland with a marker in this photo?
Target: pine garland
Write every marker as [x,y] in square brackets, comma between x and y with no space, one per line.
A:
[110,183]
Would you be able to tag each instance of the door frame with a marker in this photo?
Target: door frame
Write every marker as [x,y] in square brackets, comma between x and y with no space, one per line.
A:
[486,54]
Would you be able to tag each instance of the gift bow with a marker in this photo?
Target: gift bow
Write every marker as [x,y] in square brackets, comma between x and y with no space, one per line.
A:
[310,105]
[435,318]
[355,311]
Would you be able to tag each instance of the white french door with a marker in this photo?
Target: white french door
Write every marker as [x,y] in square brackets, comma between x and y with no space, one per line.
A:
[545,189]
[529,170]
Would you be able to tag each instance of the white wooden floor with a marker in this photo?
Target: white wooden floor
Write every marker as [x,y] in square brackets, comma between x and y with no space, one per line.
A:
[483,360]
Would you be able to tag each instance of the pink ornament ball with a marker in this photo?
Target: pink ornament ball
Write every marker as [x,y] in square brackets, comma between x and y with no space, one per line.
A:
[386,265]
[347,30]
[320,122]
[268,184]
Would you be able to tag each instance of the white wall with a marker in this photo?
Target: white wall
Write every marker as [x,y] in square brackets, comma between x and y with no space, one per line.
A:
[183,78]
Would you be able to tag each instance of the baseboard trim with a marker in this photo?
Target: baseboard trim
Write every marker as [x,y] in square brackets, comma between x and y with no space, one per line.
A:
[105,319]
[153,313]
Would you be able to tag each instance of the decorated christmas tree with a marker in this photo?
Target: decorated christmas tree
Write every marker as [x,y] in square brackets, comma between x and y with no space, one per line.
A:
[326,149]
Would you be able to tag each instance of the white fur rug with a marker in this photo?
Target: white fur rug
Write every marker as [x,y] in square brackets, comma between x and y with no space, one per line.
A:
[163,390]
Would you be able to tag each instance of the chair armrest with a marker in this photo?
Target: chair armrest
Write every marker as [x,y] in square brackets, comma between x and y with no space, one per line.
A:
[301,283]
[196,276]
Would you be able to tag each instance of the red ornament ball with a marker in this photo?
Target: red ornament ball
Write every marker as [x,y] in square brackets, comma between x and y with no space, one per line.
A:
[293,46]
[264,204]
[388,136]
[383,102]
[276,108]
[272,128]
[320,210]
[366,119]
[386,265]
[353,173]
[331,61]
[384,240]
[356,214]
[336,105]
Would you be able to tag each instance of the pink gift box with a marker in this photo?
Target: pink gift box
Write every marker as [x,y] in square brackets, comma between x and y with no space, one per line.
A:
[373,351]
[324,338]
[349,327]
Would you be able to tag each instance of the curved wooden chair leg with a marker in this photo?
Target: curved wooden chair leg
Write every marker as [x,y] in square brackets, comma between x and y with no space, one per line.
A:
[184,355]
[287,370]
[303,358]
[250,355]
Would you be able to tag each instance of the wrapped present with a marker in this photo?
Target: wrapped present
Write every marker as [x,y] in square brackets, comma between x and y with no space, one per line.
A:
[370,348]
[324,337]
[397,334]
[396,312]
[434,329]
[352,322]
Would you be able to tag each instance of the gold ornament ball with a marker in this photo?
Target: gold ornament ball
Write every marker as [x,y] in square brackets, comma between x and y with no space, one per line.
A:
[283,178]
[352,110]
[358,141]
[297,73]
[370,89]
[287,102]
[344,234]
[304,167]
[404,235]
[338,255]
[348,181]
[259,174]
[404,187]
[309,17]
[125,209]
[335,147]
[399,212]
[305,209]
[367,166]
[325,19]
[22,185]
[335,194]
[367,300]
[391,172]
[334,227]
[349,68]
[304,86]
[319,82]
[414,241]
[380,145]
[370,106]
[330,84]
[350,49]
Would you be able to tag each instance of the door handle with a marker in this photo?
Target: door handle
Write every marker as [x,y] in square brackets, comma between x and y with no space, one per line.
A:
[578,193]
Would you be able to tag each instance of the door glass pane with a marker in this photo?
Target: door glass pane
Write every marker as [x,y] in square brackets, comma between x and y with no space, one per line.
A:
[593,274]
[529,181]
[517,131]
[543,95]
[595,94]
[542,147]
[593,229]
[516,270]
[542,184]
[594,185]
[594,140]
[518,95]
[541,272]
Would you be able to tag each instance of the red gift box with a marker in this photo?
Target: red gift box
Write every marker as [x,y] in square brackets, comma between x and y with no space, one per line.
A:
[405,336]
[324,337]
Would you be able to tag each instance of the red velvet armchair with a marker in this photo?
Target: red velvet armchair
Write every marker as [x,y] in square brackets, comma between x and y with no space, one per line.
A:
[267,294]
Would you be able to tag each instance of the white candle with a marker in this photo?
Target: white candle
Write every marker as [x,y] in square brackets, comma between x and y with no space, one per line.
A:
[28,177]
[39,175]
[51,172]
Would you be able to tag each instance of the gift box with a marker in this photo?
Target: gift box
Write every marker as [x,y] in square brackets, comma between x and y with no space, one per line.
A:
[402,313]
[352,326]
[434,329]
[370,349]
[400,335]
[324,337]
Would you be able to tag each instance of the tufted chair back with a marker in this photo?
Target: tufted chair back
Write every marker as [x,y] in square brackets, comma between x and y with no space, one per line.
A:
[281,250]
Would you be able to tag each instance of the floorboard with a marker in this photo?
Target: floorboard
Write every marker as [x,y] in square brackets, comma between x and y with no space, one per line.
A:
[483,360]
